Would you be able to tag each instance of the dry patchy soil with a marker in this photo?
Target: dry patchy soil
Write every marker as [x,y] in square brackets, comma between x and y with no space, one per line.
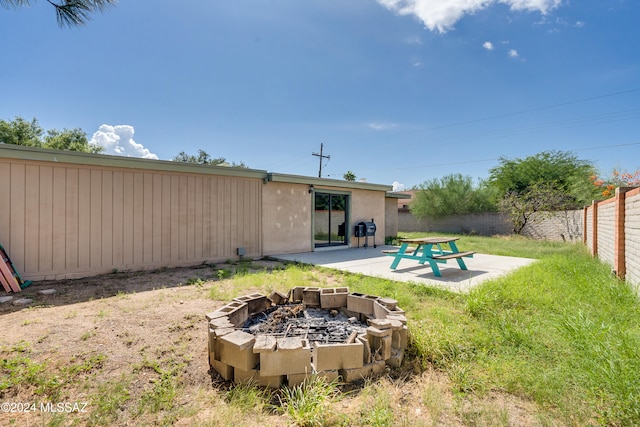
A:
[133,347]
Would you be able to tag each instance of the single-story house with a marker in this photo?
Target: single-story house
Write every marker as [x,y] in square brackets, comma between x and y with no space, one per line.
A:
[66,214]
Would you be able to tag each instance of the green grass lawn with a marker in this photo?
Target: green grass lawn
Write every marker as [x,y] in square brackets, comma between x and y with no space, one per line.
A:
[562,332]
[554,343]
[504,245]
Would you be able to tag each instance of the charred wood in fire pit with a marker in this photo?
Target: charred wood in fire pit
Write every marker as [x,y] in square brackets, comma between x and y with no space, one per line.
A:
[312,324]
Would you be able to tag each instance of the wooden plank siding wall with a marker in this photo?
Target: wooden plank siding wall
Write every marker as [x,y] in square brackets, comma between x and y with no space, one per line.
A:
[64,220]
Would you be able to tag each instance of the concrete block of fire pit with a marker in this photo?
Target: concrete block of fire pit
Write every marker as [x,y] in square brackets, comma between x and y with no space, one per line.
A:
[366,356]
[400,338]
[378,368]
[356,374]
[256,303]
[294,380]
[290,357]
[214,334]
[333,297]
[236,349]
[361,303]
[264,344]
[380,311]
[224,370]
[238,312]
[375,332]
[296,294]
[211,345]
[254,377]
[395,360]
[311,297]
[221,322]
[328,357]
[390,303]
[215,314]
[395,324]
[278,298]
[349,313]
[380,346]
[399,317]
[386,347]
[328,376]
[220,332]
[382,324]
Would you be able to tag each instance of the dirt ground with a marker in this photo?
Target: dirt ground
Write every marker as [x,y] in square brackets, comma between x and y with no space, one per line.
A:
[131,349]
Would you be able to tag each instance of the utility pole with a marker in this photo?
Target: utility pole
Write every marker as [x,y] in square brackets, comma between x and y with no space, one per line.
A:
[321,157]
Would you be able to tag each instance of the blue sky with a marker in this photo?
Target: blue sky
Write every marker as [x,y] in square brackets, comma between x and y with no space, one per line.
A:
[398,91]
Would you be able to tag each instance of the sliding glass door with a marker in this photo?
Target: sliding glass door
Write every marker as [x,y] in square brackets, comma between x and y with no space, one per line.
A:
[330,219]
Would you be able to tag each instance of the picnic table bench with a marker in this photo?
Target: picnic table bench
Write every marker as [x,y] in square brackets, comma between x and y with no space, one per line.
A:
[429,249]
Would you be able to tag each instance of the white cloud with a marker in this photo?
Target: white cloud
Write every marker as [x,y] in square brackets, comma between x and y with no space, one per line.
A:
[383,126]
[579,24]
[118,140]
[441,15]
[513,53]
[488,45]
[397,186]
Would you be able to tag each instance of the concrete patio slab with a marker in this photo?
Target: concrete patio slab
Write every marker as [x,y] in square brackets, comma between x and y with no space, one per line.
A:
[372,262]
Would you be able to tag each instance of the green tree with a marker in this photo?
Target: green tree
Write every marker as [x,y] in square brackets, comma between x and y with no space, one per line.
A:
[450,195]
[547,181]
[349,176]
[539,199]
[70,140]
[68,12]
[203,158]
[562,169]
[21,132]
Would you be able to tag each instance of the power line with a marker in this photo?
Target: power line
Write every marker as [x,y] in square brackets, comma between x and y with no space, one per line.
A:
[498,158]
[545,126]
[500,116]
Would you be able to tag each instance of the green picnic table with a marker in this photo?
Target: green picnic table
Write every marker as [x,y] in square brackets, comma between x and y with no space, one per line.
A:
[429,249]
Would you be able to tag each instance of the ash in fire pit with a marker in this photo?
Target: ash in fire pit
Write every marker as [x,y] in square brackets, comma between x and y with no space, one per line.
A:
[312,324]
[283,339]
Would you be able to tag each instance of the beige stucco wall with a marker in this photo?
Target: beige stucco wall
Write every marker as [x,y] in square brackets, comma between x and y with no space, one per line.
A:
[286,218]
[288,215]
[365,205]
[391,217]
[62,220]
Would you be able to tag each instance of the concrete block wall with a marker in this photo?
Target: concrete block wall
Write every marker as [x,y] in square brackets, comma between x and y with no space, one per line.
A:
[612,232]
[605,230]
[270,361]
[588,230]
[566,226]
[632,237]
[484,224]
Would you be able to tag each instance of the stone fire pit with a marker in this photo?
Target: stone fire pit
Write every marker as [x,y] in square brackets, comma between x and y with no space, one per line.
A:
[284,339]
